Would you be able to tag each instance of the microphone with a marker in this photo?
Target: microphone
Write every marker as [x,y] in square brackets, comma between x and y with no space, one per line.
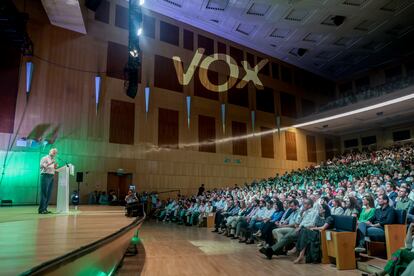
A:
[64,161]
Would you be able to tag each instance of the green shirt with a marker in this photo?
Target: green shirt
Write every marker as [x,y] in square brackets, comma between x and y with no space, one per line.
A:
[404,204]
[366,215]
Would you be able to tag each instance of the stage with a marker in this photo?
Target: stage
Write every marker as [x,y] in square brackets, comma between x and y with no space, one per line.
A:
[28,239]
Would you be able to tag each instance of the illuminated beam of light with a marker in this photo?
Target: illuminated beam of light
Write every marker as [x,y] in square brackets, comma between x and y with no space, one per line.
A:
[155,148]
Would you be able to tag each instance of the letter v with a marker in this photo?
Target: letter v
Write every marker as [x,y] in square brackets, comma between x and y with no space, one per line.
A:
[185,78]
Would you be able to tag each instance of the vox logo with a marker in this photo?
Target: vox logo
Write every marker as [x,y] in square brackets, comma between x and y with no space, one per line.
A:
[184,78]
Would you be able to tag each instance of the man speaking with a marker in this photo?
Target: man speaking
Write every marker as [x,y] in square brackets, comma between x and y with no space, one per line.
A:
[48,166]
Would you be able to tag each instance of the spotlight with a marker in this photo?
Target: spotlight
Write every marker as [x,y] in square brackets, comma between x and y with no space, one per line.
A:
[133,53]
[139,32]
[141,2]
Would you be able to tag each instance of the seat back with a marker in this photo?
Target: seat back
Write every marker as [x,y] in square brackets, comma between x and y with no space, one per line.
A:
[400,216]
[344,223]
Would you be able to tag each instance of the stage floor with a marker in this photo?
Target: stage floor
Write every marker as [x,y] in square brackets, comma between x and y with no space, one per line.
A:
[28,239]
[170,249]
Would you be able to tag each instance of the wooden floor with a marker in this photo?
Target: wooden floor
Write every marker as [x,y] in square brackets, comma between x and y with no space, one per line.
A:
[28,239]
[170,249]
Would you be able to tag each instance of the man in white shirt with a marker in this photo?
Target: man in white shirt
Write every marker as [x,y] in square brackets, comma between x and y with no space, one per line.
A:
[48,166]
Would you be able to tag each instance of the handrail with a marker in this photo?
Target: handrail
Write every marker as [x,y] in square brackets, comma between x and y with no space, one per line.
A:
[169,191]
[54,264]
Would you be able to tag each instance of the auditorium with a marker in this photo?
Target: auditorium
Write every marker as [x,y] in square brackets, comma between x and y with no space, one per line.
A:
[206,137]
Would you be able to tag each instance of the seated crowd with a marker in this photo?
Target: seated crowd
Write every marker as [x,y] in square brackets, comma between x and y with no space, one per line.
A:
[284,213]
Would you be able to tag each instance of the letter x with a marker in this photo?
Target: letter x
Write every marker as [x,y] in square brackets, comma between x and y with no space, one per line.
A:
[251,74]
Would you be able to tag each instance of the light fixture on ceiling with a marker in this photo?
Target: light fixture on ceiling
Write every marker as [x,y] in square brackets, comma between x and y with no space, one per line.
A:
[302,51]
[357,111]
[338,19]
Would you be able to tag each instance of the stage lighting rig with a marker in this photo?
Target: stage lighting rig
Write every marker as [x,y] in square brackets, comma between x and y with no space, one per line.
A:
[131,70]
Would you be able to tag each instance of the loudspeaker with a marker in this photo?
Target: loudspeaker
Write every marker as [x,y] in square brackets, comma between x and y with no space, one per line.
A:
[79,177]
[92,4]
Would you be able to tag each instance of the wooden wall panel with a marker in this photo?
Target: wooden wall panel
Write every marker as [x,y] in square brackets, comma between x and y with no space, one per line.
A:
[240,145]
[116,60]
[66,97]
[288,105]
[291,153]
[237,54]
[168,128]
[266,142]
[165,74]
[148,25]
[207,44]
[9,84]
[102,13]
[275,70]
[250,59]
[265,100]
[286,74]
[122,122]
[121,17]
[238,96]
[200,90]
[265,69]
[221,48]
[188,40]
[311,148]
[206,132]
[329,148]
[169,33]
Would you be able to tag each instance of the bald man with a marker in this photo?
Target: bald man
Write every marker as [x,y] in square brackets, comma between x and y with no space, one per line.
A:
[48,167]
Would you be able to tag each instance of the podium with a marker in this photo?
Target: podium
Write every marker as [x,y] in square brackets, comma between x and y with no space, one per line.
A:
[62,200]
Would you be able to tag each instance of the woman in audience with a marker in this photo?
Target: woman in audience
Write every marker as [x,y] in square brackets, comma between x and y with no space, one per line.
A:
[266,232]
[309,238]
[368,209]
[337,207]
[351,205]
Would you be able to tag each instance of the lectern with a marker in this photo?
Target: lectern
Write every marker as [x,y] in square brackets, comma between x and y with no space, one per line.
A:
[62,201]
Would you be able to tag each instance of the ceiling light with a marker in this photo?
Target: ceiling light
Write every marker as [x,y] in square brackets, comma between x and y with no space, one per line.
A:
[141,2]
[357,111]
[139,32]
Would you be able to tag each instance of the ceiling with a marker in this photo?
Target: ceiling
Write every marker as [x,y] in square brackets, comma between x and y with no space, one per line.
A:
[65,14]
[387,116]
[373,32]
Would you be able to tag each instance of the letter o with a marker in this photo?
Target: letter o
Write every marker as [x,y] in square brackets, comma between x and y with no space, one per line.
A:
[234,72]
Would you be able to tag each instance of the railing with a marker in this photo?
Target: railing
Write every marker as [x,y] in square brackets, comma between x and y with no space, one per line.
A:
[98,258]
[365,93]
[170,191]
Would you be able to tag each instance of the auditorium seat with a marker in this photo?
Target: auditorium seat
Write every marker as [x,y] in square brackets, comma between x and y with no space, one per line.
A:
[394,237]
[210,220]
[339,243]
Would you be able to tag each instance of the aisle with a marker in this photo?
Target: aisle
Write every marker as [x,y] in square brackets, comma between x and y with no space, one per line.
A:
[170,249]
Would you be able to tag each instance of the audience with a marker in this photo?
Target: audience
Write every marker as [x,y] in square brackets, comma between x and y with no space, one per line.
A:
[286,211]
